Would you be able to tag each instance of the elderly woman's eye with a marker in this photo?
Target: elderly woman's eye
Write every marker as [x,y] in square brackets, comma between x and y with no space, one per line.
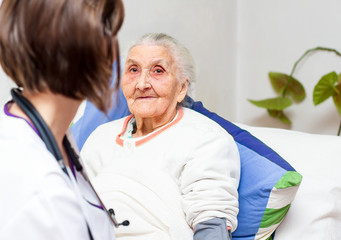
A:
[133,69]
[158,70]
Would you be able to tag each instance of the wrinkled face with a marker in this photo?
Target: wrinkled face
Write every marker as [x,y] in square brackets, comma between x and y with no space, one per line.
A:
[149,82]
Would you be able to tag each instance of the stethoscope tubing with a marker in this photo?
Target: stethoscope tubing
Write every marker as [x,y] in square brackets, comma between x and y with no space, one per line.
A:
[43,130]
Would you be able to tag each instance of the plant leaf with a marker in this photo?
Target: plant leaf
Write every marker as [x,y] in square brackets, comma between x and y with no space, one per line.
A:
[337,99]
[325,88]
[294,88]
[278,81]
[280,115]
[278,103]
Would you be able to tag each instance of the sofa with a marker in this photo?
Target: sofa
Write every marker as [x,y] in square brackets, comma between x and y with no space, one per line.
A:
[315,212]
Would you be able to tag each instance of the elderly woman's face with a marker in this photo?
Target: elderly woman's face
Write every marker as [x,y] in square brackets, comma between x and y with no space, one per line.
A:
[149,82]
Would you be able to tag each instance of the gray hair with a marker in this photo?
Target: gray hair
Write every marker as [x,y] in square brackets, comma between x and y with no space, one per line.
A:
[181,56]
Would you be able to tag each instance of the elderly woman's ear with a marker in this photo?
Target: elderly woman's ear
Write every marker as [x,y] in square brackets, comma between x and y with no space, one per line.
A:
[183,90]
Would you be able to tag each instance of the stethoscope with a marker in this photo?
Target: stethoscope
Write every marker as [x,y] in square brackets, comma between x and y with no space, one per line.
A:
[51,144]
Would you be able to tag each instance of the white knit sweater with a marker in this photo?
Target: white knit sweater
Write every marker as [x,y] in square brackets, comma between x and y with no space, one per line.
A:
[168,181]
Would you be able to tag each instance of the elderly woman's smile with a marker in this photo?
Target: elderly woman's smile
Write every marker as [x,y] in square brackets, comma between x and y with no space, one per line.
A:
[151,87]
[145,97]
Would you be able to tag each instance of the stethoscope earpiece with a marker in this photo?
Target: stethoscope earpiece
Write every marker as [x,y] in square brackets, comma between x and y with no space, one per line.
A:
[112,215]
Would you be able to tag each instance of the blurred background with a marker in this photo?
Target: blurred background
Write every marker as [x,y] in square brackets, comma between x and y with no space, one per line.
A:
[235,43]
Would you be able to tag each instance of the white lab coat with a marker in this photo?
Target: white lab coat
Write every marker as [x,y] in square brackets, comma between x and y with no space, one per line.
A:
[37,199]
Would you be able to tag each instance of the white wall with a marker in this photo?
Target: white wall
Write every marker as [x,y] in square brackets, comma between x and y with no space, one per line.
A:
[5,86]
[237,42]
[273,35]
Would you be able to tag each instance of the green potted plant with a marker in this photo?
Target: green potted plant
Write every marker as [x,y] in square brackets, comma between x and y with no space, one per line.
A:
[290,90]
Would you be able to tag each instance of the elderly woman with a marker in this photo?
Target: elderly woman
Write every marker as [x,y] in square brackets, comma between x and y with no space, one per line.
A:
[167,169]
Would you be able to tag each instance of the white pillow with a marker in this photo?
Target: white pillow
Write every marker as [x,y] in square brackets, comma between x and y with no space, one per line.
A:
[315,212]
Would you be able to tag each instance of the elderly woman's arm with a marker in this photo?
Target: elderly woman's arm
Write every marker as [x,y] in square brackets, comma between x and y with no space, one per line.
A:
[213,229]
[209,183]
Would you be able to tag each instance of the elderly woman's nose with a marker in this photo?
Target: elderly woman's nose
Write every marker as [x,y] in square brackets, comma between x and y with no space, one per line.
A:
[142,81]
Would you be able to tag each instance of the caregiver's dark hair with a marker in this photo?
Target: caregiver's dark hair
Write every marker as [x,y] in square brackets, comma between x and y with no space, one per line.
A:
[64,46]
